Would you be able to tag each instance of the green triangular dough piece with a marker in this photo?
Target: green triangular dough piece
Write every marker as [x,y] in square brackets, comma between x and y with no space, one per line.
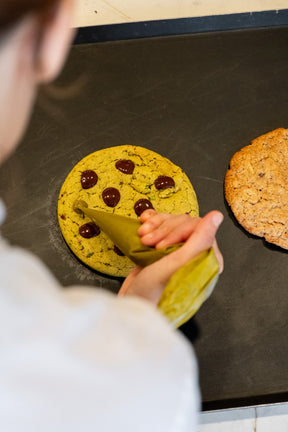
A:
[123,231]
[186,290]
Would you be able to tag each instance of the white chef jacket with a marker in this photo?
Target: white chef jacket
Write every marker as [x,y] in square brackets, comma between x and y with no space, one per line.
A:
[81,359]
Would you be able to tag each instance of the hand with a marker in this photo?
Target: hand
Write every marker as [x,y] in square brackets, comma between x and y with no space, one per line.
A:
[161,230]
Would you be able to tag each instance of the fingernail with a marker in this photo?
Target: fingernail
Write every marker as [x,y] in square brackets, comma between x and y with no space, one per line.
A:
[161,244]
[148,237]
[147,214]
[145,228]
[218,219]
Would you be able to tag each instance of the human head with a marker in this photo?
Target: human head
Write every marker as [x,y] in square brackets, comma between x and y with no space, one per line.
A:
[34,39]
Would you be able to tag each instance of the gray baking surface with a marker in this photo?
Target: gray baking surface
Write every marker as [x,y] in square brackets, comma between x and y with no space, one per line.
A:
[195,99]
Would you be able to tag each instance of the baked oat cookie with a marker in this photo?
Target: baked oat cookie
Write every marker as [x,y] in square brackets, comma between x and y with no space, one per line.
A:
[125,180]
[256,187]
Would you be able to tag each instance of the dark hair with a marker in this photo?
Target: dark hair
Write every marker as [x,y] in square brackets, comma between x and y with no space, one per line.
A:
[12,11]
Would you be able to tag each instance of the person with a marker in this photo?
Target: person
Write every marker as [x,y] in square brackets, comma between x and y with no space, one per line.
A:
[82,359]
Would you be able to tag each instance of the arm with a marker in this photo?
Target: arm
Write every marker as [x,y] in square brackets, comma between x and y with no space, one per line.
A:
[83,358]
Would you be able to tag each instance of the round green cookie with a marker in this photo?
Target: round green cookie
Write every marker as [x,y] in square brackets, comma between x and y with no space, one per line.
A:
[124,180]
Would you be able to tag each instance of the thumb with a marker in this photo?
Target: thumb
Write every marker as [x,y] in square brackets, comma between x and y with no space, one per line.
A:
[201,239]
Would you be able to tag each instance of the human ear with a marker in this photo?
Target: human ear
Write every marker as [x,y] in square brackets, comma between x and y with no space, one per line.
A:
[54,41]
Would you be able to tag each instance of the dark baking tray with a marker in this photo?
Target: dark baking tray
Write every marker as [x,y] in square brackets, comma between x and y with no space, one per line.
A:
[195,99]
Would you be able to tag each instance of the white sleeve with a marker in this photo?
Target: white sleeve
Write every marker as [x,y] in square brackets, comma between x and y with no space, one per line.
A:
[81,359]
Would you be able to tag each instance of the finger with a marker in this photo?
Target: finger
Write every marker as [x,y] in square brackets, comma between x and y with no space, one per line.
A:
[147,214]
[200,240]
[203,236]
[152,223]
[219,257]
[171,231]
[178,233]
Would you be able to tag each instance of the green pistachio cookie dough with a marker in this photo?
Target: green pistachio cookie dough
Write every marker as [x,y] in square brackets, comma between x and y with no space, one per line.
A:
[125,180]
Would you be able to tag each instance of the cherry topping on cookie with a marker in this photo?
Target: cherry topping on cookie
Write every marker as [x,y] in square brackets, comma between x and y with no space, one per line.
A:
[126,166]
[111,196]
[89,230]
[164,182]
[141,205]
[89,179]
[118,251]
